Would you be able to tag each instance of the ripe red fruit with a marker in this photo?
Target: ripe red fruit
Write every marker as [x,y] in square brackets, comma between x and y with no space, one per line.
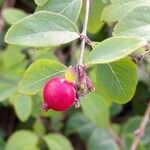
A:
[59,94]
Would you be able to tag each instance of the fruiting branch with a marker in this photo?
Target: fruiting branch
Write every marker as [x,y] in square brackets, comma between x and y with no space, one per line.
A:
[84,84]
[83,34]
[139,133]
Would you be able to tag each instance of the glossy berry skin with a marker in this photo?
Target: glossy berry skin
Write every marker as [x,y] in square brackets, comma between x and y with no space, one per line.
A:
[59,94]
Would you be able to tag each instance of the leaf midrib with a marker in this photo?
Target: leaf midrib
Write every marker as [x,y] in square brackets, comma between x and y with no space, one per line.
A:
[45,78]
[119,83]
[68,6]
[96,61]
[33,34]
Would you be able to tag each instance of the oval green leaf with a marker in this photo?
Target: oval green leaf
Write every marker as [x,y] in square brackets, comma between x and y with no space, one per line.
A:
[133,24]
[22,139]
[69,8]
[22,105]
[42,29]
[12,15]
[118,80]
[96,108]
[101,139]
[6,90]
[16,60]
[116,11]
[113,49]
[57,142]
[78,123]
[37,74]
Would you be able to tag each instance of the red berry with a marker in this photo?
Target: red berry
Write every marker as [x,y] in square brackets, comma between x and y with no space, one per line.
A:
[59,94]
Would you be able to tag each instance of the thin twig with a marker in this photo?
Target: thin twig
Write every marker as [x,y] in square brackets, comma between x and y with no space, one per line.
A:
[83,37]
[117,139]
[138,58]
[139,133]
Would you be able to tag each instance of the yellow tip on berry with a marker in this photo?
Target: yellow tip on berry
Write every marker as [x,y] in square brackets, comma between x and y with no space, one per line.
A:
[70,74]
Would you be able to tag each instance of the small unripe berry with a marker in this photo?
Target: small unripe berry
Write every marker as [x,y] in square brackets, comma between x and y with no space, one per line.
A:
[59,94]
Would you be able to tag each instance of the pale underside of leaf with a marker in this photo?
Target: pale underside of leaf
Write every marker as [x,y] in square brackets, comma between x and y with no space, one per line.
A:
[12,15]
[69,8]
[116,11]
[42,29]
[135,23]
[47,37]
[114,49]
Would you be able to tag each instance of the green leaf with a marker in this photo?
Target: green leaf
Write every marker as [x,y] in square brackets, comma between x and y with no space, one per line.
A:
[78,123]
[43,53]
[113,49]
[105,1]
[57,142]
[13,65]
[37,74]
[12,15]
[147,146]
[116,11]
[96,108]
[22,139]
[132,124]
[42,29]
[40,2]
[118,80]
[6,90]
[94,23]
[134,25]
[1,2]
[22,105]
[101,139]
[17,59]
[2,144]
[69,8]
